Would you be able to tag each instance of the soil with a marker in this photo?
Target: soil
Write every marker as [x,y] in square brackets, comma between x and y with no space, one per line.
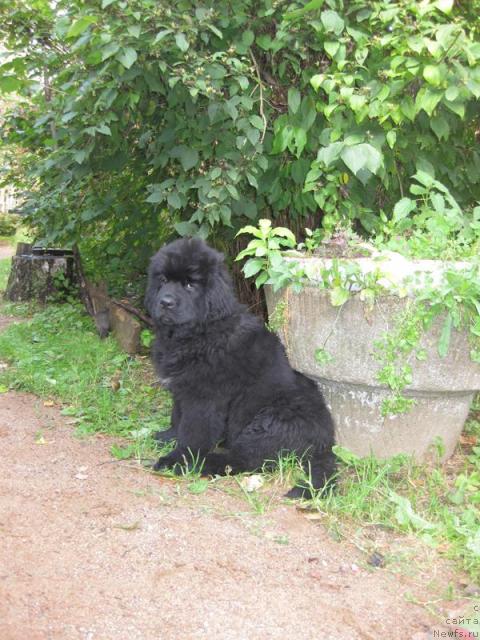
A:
[96,549]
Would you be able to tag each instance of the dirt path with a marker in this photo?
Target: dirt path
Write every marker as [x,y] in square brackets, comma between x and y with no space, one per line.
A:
[97,550]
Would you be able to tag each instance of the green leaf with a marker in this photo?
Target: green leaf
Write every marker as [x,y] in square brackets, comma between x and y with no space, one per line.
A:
[331,47]
[161,35]
[257,122]
[248,38]
[433,74]
[444,341]
[332,22]
[310,6]
[283,138]
[440,127]
[300,136]
[451,93]
[405,515]
[316,80]
[155,197]
[252,267]
[403,208]
[9,84]
[427,100]
[338,296]
[134,30]
[127,57]
[362,156]
[445,6]
[80,156]
[80,25]
[181,41]
[250,230]
[261,279]
[408,108]
[174,200]
[188,157]
[106,3]
[186,228]
[109,50]
[105,129]
[456,106]
[284,233]
[330,153]
[232,190]
[294,99]
[391,138]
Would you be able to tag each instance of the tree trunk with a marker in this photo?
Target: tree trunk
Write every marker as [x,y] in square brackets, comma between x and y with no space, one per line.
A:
[40,277]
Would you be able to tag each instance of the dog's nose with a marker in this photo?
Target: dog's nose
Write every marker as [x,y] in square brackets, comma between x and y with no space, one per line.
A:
[167,301]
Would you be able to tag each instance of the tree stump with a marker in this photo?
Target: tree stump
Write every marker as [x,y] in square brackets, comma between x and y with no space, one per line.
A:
[40,274]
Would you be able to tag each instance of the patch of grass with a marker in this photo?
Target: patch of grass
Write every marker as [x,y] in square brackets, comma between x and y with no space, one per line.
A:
[4,271]
[399,495]
[57,354]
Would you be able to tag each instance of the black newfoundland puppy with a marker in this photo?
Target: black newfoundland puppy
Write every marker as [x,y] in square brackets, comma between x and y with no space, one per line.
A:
[229,376]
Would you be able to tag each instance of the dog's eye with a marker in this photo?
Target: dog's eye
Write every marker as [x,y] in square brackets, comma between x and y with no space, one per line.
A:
[190,286]
[160,278]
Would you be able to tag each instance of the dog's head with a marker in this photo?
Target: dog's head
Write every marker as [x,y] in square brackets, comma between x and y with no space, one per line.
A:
[188,283]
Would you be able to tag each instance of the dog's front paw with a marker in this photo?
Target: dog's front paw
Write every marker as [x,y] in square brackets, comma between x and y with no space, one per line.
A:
[166,462]
[299,493]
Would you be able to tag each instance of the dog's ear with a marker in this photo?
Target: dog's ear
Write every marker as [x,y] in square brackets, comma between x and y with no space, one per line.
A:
[220,300]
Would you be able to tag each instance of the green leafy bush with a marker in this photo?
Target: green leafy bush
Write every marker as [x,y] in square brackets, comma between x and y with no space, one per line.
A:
[8,224]
[155,118]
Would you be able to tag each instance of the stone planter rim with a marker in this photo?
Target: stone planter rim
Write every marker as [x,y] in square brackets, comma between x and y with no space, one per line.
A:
[396,272]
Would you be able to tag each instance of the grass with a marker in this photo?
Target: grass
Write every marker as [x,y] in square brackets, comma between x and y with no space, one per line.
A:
[4,271]
[439,505]
[56,354]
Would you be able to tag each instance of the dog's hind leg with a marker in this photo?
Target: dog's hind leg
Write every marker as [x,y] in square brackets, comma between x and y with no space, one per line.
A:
[319,469]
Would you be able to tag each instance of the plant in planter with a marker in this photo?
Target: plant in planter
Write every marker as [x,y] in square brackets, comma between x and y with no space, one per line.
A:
[390,332]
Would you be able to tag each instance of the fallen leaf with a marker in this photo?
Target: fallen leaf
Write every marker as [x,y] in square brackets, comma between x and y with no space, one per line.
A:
[81,476]
[49,403]
[128,527]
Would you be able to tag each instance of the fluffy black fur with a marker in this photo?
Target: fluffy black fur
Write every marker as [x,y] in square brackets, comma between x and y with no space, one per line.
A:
[229,376]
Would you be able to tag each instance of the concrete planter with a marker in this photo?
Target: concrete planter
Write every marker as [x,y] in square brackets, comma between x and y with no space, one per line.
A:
[442,387]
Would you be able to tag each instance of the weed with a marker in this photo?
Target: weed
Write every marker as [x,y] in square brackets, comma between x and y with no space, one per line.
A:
[401,495]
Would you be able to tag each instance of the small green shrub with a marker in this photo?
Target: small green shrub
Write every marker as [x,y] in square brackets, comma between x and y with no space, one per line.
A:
[8,224]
